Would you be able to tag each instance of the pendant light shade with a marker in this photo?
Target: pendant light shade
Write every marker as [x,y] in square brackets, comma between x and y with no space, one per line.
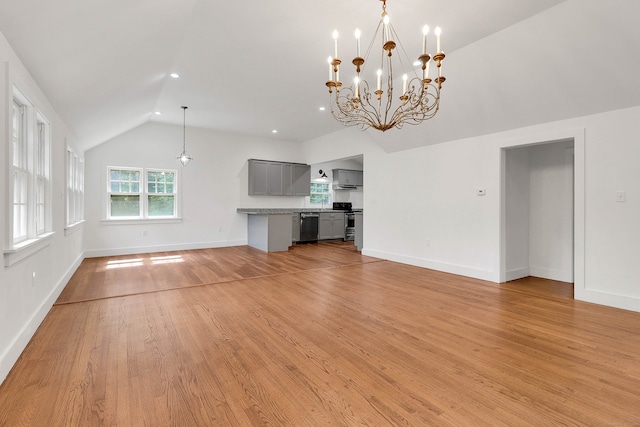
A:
[184,158]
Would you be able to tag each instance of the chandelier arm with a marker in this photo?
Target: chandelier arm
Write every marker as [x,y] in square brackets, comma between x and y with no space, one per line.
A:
[369,109]
[349,111]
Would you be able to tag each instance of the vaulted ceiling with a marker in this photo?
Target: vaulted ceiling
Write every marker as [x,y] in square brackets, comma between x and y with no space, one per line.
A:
[254,66]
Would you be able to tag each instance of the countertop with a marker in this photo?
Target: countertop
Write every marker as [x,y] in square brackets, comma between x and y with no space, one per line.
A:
[276,211]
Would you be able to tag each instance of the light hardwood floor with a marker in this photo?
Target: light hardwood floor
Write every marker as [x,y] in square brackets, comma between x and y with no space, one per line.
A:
[319,336]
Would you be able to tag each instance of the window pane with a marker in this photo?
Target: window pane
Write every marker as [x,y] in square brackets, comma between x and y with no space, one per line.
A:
[115,187]
[125,205]
[161,206]
[151,187]
[125,187]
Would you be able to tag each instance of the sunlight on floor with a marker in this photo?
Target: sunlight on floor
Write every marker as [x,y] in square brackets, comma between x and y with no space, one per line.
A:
[123,263]
[166,259]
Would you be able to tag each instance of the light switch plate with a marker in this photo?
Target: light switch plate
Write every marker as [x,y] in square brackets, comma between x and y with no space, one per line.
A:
[621,196]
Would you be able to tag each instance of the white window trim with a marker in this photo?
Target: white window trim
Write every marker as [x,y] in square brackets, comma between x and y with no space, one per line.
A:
[144,194]
[22,247]
[74,191]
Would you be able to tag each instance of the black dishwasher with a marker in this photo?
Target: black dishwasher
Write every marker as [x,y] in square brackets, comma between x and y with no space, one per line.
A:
[309,227]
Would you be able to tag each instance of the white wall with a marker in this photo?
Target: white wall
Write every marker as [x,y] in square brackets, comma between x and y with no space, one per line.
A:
[422,208]
[24,301]
[213,186]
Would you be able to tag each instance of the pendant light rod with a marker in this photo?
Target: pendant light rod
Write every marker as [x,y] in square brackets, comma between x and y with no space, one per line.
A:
[183,157]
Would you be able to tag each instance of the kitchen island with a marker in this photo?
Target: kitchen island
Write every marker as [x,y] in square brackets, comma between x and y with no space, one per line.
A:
[271,229]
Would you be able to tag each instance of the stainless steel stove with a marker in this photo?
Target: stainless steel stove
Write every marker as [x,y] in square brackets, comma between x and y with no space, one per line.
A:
[349,219]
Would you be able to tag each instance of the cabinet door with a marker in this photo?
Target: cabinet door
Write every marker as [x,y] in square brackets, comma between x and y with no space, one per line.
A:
[287,179]
[301,180]
[325,226]
[275,179]
[258,171]
[359,178]
[337,226]
[295,227]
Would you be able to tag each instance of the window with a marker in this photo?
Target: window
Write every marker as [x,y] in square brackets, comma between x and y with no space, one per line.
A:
[30,183]
[161,194]
[20,173]
[320,193]
[136,193]
[75,188]
[41,169]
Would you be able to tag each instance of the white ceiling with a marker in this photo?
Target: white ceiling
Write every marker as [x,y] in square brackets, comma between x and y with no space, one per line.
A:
[246,66]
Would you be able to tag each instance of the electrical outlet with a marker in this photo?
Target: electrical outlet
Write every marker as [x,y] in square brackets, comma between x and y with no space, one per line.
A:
[621,196]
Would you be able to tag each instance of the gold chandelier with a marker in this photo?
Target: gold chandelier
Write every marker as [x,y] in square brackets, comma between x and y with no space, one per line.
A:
[358,105]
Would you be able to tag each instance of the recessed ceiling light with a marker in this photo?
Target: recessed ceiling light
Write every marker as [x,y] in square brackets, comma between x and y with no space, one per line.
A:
[274,131]
[175,75]
[158,113]
[322,108]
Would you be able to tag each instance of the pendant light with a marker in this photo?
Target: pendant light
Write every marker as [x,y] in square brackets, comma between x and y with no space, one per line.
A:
[184,158]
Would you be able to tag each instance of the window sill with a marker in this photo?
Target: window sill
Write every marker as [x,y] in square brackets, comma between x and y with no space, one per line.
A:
[130,221]
[25,249]
[72,228]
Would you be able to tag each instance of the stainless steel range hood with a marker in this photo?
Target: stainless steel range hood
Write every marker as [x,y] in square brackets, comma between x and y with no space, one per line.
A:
[344,187]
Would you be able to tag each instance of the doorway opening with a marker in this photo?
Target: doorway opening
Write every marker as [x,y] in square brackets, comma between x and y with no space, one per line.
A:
[542,211]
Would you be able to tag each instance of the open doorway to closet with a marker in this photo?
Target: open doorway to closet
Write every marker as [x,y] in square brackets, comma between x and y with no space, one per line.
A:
[538,206]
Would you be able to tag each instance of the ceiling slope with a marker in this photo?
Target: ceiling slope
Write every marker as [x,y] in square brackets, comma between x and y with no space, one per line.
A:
[254,66]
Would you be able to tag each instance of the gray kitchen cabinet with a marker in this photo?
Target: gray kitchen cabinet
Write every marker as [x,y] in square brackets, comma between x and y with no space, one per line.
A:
[295,227]
[331,226]
[258,172]
[301,180]
[275,179]
[267,178]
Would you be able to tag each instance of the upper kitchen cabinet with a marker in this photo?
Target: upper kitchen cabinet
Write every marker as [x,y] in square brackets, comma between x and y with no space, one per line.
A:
[347,179]
[301,180]
[267,178]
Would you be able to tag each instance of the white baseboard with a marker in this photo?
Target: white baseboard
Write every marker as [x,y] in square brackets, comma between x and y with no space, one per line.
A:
[624,302]
[546,273]
[162,248]
[435,265]
[15,349]
[517,273]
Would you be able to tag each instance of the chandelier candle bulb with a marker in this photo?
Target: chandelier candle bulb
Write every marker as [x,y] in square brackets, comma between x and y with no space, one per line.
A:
[404,83]
[385,30]
[357,42]
[379,73]
[438,32]
[335,43]
[425,31]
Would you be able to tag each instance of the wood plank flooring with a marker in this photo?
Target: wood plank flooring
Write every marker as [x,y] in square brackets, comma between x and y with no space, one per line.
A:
[319,336]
